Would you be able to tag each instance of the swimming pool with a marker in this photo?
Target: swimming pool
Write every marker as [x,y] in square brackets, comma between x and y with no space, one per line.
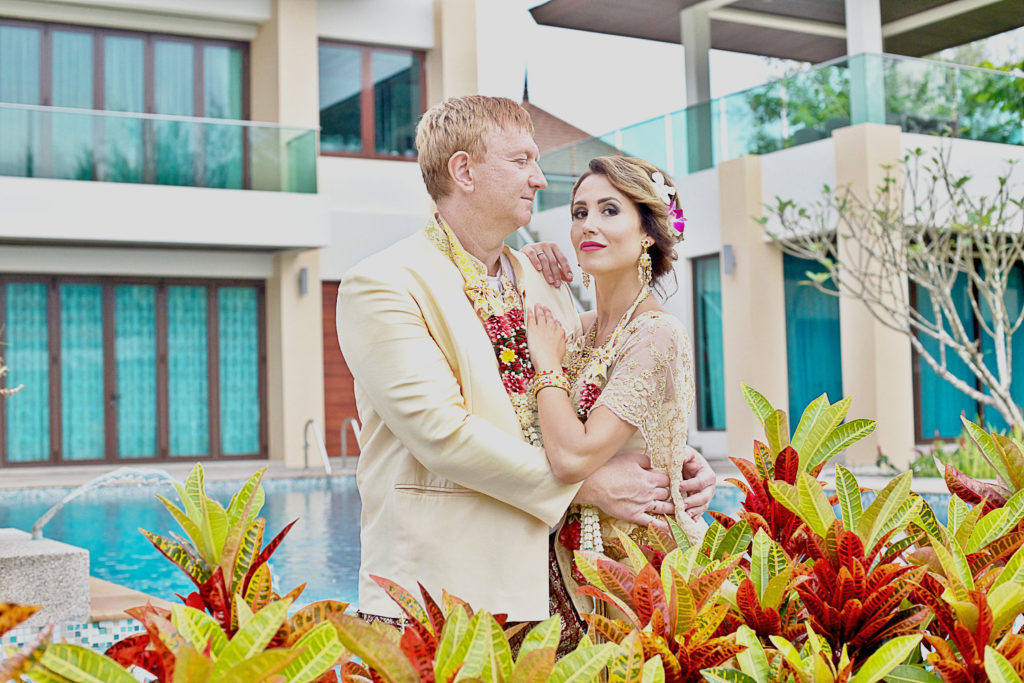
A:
[322,549]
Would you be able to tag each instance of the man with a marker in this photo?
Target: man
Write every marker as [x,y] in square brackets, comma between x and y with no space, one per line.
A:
[454,495]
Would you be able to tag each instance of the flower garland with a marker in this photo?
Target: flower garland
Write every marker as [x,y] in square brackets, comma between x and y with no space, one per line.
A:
[589,367]
[503,320]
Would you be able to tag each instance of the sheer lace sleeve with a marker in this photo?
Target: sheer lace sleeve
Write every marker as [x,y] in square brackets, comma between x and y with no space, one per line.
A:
[650,386]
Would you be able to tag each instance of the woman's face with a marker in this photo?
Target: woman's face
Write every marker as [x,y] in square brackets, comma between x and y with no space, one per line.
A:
[606,228]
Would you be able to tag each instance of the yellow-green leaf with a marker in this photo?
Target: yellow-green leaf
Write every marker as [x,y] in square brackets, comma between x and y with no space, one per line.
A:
[627,662]
[887,502]
[1007,603]
[814,505]
[535,666]
[199,629]
[776,430]
[582,665]
[83,665]
[753,660]
[654,672]
[319,649]
[722,675]
[1013,572]
[850,504]
[998,668]
[546,634]
[376,650]
[253,637]
[841,438]
[886,658]
[758,403]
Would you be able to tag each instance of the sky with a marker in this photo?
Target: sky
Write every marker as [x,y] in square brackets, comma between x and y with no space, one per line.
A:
[594,81]
[599,82]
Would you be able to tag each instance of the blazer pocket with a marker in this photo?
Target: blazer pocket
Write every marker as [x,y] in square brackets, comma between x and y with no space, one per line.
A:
[423,490]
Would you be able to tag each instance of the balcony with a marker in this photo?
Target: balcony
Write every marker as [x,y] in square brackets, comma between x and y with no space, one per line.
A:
[155,179]
[920,96]
[118,147]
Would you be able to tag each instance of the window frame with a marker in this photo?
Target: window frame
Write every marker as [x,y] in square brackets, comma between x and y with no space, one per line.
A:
[53,283]
[367,105]
[698,361]
[915,370]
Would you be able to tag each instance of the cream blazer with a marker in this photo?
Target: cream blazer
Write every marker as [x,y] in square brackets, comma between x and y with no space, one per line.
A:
[453,496]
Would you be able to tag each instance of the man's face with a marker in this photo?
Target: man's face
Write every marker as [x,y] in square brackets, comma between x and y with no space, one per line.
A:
[507,178]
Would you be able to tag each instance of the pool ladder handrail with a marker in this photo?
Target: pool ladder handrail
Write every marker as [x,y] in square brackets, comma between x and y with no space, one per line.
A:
[319,442]
[353,424]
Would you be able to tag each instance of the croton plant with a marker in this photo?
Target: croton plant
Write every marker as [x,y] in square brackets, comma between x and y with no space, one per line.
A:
[812,582]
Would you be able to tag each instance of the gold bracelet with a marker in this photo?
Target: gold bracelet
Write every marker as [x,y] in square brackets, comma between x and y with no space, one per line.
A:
[550,378]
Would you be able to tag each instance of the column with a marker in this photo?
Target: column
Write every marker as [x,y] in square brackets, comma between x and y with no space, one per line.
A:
[877,366]
[753,304]
[695,30]
[284,88]
[452,64]
[864,48]
[295,356]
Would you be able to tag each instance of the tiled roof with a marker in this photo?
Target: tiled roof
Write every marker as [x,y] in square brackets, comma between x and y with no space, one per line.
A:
[550,131]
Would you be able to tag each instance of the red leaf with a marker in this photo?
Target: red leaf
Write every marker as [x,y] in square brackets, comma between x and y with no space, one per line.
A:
[216,600]
[126,651]
[265,554]
[435,613]
[648,594]
[787,465]
[419,652]
[972,491]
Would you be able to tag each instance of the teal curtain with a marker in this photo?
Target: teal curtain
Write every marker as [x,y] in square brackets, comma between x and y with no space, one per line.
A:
[123,64]
[396,102]
[710,360]
[174,94]
[81,372]
[72,134]
[1014,301]
[135,358]
[222,99]
[940,403]
[19,84]
[341,88]
[238,325]
[813,353]
[188,381]
[26,352]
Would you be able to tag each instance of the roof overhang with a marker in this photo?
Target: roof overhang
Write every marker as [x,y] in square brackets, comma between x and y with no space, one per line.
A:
[806,30]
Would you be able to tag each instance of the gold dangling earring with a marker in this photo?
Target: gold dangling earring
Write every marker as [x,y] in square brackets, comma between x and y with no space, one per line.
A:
[585,279]
[643,268]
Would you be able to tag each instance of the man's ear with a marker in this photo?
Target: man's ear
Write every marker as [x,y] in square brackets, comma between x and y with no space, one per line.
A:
[460,170]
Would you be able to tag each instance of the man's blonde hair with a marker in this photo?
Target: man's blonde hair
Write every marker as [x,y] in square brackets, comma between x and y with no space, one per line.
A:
[458,124]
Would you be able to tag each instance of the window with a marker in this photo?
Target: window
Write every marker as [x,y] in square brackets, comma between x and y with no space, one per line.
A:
[938,404]
[131,369]
[707,288]
[813,353]
[370,100]
[112,70]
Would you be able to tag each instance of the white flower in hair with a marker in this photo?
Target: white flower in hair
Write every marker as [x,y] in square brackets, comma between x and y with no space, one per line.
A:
[663,190]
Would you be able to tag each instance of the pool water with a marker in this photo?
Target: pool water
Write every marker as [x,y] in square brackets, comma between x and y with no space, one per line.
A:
[322,549]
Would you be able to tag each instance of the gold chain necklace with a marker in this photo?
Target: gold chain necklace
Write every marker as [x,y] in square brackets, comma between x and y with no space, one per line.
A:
[589,362]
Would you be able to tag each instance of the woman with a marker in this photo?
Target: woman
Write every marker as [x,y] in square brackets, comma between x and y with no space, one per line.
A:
[627,383]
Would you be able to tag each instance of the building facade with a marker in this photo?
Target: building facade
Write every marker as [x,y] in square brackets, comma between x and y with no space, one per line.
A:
[182,184]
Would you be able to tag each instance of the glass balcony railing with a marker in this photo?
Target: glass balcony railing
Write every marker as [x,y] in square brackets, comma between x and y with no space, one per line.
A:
[119,147]
[920,96]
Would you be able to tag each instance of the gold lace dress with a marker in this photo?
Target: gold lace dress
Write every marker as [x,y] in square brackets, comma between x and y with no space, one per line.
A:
[650,385]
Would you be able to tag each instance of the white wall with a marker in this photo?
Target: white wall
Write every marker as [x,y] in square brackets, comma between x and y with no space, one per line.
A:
[402,23]
[373,203]
[798,173]
[96,213]
[232,19]
[128,262]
